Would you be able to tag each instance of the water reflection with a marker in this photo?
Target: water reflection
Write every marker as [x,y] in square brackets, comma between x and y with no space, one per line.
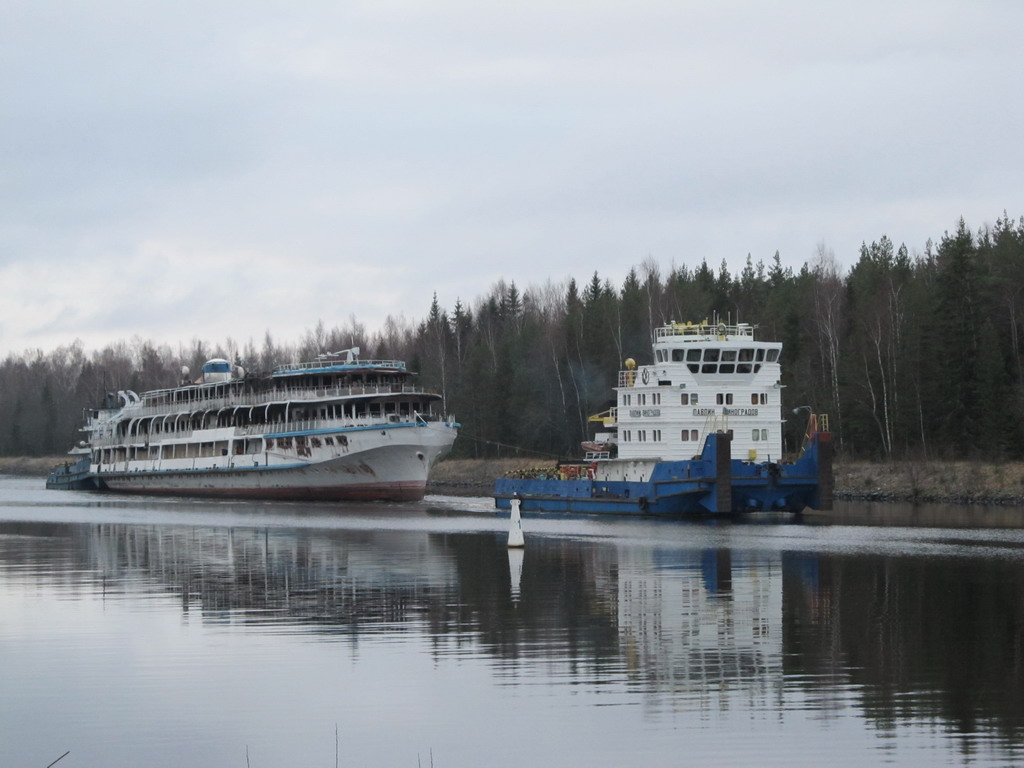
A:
[920,638]
[931,641]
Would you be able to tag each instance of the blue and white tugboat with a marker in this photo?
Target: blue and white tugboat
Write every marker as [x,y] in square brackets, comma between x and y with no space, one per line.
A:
[336,428]
[698,431]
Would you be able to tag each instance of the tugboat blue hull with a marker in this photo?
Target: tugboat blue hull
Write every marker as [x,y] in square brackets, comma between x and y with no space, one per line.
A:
[713,484]
[73,477]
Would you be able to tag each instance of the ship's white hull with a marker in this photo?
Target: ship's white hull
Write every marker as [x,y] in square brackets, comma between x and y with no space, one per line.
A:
[390,464]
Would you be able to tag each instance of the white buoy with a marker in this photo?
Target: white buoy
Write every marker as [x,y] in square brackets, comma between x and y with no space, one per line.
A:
[515,528]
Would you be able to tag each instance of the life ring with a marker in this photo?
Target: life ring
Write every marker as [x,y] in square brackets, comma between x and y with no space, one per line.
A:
[645,376]
[642,503]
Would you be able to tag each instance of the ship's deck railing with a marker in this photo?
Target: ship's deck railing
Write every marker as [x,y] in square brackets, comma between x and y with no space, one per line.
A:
[339,365]
[155,407]
[705,331]
[274,427]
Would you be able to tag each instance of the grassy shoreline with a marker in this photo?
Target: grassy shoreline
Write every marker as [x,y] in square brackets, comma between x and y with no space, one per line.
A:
[962,482]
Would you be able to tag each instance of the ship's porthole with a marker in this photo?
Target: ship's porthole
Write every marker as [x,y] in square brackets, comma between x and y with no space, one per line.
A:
[420,456]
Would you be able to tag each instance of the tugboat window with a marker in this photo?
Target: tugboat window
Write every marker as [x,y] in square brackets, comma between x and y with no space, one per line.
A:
[711,355]
[693,355]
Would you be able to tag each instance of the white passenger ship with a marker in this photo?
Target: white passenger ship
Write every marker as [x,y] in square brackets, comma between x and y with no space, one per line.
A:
[336,428]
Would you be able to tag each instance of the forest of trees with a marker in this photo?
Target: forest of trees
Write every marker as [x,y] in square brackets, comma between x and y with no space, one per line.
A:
[912,355]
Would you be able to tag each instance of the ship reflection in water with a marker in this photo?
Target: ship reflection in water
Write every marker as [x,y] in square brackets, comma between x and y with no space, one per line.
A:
[600,644]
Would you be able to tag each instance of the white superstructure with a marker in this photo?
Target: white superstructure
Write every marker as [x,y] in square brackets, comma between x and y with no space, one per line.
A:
[705,378]
[334,428]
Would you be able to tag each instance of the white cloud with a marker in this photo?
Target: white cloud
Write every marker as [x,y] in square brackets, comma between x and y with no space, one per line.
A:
[192,170]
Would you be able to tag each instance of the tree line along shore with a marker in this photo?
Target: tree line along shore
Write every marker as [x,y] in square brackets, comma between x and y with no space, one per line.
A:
[911,353]
[960,482]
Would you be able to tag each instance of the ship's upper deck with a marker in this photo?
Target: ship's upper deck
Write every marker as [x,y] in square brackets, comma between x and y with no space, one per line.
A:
[338,366]
[693,332]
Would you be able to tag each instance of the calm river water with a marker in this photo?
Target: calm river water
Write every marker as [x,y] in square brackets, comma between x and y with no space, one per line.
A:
[137,631]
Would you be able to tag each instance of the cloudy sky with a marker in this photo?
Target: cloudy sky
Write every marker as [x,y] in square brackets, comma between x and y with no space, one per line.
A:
[175,169]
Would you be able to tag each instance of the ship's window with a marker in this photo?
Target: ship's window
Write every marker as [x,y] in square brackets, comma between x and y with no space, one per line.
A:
[711,355]
[728,355]
[753,398]
[641,399]
[773,355]
[746,355]
[684,399]
[760,355]
[677,355]
[693,355]
[719,398]
[709,368]
[693,435]
[727,368]
[755,435]
[764,434]
[743,368]
[625,399]
[694,368]
[757,367]
[764,398]
[684,435]
[656,435]
[328,441]
[656,398]
[724,399]
[693,398]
